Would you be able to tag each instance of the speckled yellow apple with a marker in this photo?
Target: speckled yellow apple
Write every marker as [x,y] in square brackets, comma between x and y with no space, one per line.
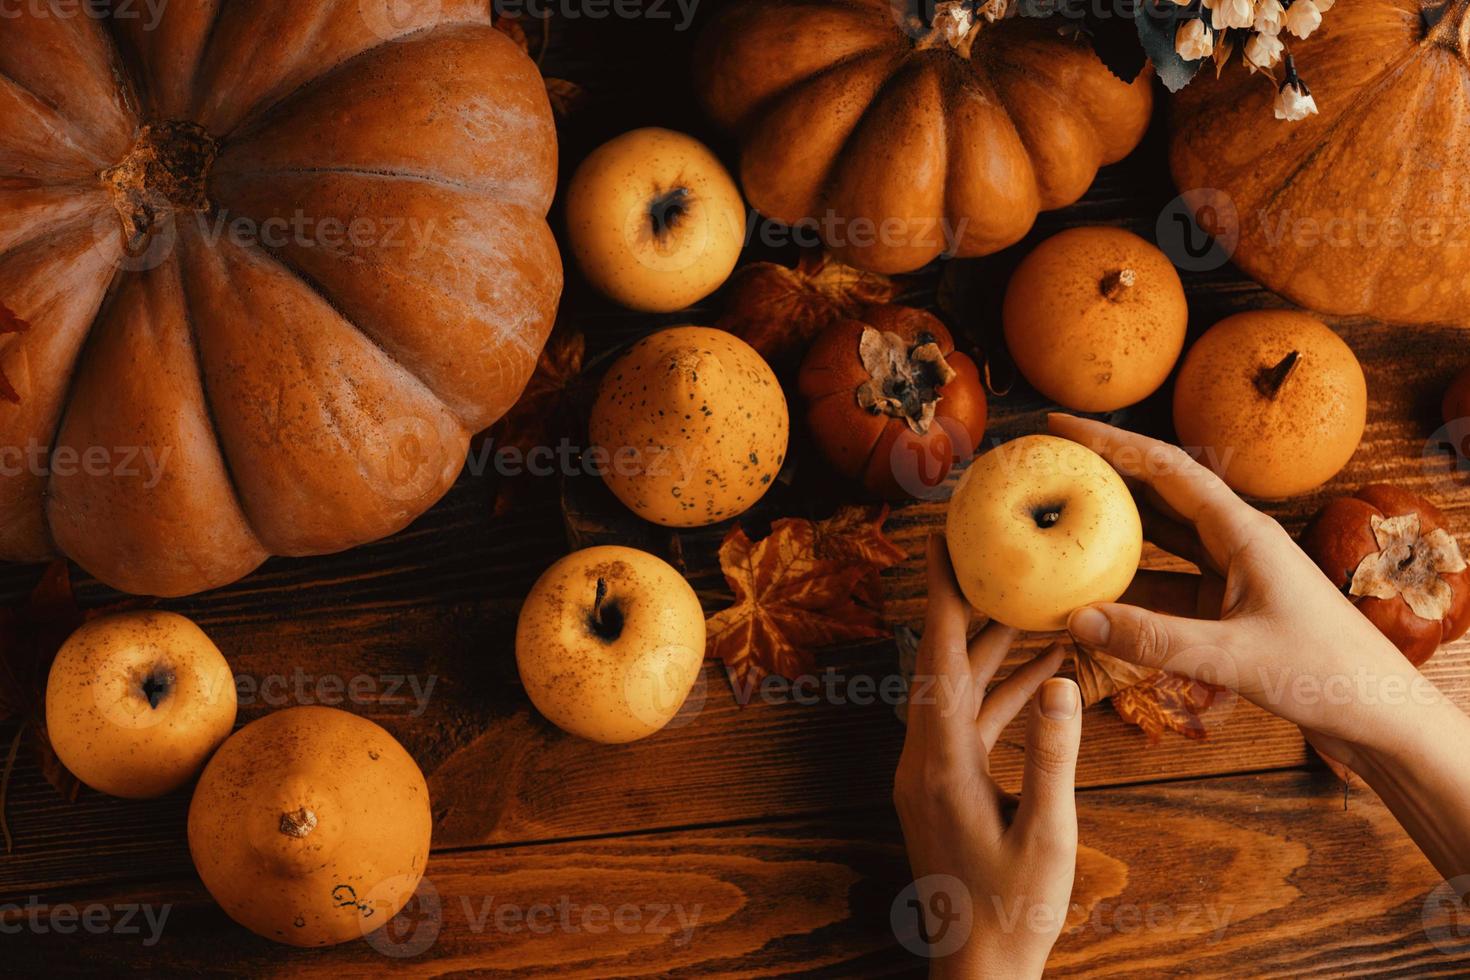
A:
[1039,527]
[690,427]
[609,644]
[137,702]
[655,220]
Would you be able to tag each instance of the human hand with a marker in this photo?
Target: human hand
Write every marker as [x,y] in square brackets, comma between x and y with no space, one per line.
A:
[1015,862]
[1261,618]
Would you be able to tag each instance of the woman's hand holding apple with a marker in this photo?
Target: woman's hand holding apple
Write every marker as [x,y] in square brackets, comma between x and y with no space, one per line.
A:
[1263,620]
[1005,869]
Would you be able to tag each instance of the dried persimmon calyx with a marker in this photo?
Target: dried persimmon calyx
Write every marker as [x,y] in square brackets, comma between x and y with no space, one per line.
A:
[904,379]
[1411,565]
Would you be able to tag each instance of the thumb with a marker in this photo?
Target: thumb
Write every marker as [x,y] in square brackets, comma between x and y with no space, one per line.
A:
[1048,790]
[1149,639]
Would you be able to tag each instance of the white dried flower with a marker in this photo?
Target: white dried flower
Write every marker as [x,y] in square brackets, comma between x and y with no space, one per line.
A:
[1303,17]
[1268,17]
[952,21]
[1263,51]
[1194,40]
[1230,13]
[1294,102]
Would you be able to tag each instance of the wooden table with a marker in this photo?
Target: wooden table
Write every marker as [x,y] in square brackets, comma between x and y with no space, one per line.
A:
[766,829]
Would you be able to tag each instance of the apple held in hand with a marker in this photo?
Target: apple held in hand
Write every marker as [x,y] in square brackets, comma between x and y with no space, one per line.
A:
[1039,527]
[136,703]
[609,644]
[655,220]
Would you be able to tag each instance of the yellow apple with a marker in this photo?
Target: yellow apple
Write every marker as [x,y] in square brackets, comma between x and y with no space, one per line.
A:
[137,702]
[655,220]
[609,643]
[1039,527]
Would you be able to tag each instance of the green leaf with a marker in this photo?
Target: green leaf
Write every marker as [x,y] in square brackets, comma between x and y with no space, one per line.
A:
[1157,24]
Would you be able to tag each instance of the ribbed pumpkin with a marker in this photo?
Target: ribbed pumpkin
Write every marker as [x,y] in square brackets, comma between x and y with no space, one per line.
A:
[900,143]
[1361,210]
[265,268]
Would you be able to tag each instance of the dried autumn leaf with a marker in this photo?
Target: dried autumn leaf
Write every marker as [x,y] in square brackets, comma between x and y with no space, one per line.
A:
[792,598]
[566,97]
[1166,703]
[9,324]
[779,310]
[547,411]
[1102,675]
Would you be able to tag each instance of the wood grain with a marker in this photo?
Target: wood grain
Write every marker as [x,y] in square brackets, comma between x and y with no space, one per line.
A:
[797,860]
[1195,878]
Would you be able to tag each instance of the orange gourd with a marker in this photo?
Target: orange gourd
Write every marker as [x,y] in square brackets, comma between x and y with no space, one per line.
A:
[264,268]
[311,826]
[900,141]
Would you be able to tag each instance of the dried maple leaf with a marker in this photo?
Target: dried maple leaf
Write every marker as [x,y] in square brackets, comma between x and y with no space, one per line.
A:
[9,323]
[566,97]
[805,587]
[1101,675]
[547,411]
[1166,703]
[779,310]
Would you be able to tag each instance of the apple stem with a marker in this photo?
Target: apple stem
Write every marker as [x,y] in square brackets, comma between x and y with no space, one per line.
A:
[597,603]
[299,823]
[1116,284]
[1269,381]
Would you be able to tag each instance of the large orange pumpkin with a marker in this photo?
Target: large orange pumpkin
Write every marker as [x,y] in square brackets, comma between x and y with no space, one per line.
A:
[265,266]
[1362,209]
[899,143]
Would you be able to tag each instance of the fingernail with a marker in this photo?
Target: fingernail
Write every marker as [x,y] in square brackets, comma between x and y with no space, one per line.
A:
[1090,626]
[1059,699]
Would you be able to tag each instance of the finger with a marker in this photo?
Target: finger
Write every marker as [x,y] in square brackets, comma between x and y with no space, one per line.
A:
[987,652]
[1225,522]
[1003,704]
[1195,647]
[944,702]
[1048,809]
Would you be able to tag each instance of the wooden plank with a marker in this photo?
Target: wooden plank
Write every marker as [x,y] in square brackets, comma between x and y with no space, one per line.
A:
[1265,875]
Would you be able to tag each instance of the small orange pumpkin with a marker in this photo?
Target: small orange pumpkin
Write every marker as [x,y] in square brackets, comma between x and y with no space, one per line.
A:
[890,401]
[902,140]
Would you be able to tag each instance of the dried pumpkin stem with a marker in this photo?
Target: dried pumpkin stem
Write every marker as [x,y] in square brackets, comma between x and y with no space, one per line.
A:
[1448,24]
[299,823]
[1115,284]
[1269,381]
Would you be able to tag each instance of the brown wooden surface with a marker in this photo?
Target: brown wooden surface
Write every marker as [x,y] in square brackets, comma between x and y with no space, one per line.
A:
[772,817]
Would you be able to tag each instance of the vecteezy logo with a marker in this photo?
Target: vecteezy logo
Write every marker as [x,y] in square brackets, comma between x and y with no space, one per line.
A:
[413,463]
[394,19]
[1446,917]
[414,929]
[1446,457]
[1199,230]
[933,916]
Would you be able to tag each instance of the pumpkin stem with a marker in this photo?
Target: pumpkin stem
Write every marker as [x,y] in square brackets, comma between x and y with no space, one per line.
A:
[1449,26]
[1115,284]
[904,380]
[1269,381]
[165,172]
[957,23]
[299,823]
